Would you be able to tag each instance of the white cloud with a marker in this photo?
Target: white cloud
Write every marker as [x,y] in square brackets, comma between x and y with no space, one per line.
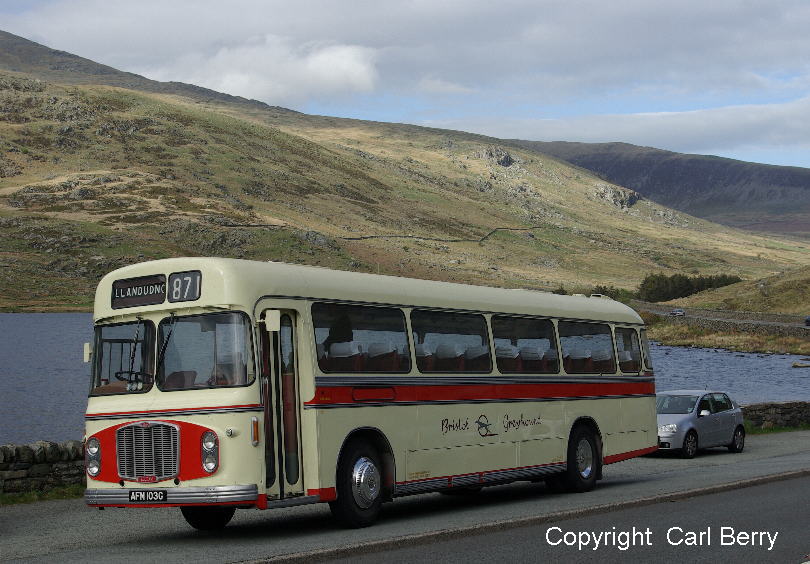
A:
[434,85]
[273,69]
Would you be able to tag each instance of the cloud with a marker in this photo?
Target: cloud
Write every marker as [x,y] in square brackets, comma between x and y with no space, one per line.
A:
[273,68]
[714,130]
[434,85]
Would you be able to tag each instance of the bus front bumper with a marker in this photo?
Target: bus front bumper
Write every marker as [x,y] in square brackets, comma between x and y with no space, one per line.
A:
[142,497]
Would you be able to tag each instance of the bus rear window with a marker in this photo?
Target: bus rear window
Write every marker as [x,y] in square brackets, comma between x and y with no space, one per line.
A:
[204,351]
[450,342]
[122,359]
[628,350]
[360,338]
[587,348]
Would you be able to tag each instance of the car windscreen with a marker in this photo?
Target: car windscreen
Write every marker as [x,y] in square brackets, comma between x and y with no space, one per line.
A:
[675,404]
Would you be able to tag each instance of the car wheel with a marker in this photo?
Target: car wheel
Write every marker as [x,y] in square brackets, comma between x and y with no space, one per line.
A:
[690,445]
[359,486]
[583,463]
[738,442]
[208,518]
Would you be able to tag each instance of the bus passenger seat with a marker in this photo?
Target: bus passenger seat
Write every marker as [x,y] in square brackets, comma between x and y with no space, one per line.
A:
[532,359]
[180,380]
[382,357]
[508,357]
[603,361]
[476,359]
[627,363]
[346,357]
[425,361]
[449,358]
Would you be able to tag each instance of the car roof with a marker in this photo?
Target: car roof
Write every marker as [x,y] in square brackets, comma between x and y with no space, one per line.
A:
[689,392]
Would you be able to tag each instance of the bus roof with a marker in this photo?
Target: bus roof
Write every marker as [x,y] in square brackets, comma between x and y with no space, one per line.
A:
[240,283]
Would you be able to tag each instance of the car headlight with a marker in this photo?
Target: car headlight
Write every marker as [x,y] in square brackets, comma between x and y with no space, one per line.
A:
[669,428]
[93,446]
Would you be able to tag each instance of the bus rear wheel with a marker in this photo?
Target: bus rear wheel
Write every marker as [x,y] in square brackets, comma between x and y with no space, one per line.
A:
[583,462]
[208,518]
[359,486]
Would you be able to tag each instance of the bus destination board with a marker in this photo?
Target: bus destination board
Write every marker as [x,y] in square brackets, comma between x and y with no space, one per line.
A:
[141,291]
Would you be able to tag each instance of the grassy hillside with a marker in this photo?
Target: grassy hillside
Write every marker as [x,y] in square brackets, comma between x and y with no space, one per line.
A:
[751,196]
[787,292]
[94,177]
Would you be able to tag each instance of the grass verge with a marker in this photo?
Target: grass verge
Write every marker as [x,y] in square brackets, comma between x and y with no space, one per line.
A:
[63,492]
[751,430]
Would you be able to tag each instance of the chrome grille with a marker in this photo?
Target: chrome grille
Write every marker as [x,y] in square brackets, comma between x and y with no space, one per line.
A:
[148,450]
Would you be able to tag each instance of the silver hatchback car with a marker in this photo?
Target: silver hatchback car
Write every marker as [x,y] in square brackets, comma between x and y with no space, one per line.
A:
[693,419]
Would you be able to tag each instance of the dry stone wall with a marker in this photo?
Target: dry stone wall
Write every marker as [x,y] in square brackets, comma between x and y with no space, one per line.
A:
[785,414]
[40,466]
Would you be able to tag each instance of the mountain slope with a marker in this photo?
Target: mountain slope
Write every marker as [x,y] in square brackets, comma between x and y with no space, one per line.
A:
[18,54]
[786,292]
[737,193]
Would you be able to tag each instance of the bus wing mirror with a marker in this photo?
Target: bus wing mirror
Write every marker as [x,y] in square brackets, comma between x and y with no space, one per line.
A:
[272,320]
[88,352]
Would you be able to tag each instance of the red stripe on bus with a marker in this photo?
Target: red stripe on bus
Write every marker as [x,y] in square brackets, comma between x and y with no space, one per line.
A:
[325,494]
[328,395]
[175,410]
[627,455]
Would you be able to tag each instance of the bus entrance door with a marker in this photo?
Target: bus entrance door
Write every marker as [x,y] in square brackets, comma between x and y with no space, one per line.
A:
[282,419]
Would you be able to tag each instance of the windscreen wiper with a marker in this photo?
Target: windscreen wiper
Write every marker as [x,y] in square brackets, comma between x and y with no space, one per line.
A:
[162,353]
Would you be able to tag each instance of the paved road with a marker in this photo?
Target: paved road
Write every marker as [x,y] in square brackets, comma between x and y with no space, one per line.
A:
[68,530]
[767,523]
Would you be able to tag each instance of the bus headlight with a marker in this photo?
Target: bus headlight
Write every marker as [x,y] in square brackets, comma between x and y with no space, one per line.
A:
[210,451]
[93,467]
[92,450]
[93,446]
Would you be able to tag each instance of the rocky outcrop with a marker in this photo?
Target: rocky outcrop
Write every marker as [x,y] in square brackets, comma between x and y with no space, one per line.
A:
[622,198]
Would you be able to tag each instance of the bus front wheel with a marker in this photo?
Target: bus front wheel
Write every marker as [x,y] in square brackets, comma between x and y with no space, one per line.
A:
[359,486]
[583,463]
[208,518]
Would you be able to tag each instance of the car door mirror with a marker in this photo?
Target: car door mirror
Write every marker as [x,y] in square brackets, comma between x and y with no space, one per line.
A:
[704,413]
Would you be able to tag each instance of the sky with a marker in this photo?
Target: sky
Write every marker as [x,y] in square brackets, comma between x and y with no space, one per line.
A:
[728,78]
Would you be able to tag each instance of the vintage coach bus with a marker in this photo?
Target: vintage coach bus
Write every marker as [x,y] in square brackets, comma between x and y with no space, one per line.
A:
[220,384]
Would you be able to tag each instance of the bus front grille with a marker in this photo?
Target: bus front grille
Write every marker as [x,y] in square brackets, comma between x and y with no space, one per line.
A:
[148,451]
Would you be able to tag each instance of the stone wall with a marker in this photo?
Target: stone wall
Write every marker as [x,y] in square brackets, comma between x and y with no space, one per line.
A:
[784,414]
[40,466]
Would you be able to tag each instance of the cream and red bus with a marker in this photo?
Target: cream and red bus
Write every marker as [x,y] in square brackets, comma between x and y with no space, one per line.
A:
[220,384]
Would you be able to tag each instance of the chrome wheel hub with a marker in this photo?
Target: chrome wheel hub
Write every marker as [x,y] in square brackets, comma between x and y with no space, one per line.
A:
[365,482]
[584,458]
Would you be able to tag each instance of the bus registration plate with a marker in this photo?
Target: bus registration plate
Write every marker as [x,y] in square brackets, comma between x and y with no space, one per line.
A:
[147,496]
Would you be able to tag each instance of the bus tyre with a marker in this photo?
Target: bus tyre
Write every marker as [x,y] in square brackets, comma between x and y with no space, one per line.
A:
[208,518]
[737,444]
[690,445]
[583,460]
[359,486]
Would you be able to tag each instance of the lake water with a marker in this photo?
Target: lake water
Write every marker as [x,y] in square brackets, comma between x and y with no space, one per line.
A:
[44,383]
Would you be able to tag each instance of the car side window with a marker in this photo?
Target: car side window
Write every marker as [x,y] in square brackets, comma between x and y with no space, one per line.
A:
[704,404]
[721,402]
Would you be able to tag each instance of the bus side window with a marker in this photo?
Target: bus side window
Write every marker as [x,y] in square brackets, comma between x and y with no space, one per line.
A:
[587,348]
[450,342]
[628,349]
[524,346]
[351,338]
